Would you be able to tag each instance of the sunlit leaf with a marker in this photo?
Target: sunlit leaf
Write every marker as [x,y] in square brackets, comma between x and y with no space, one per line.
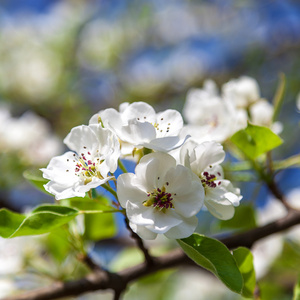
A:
[244,260]
[43,219]
[215,257]
[255,140]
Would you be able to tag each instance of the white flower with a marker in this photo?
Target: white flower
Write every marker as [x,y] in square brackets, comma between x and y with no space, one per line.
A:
[73,174]
[161,198]
[209,117]
[139,125]
[204,159]
[242,91]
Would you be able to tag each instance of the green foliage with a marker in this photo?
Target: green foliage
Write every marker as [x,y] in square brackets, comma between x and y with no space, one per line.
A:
[297,290]
[244,260]
[43,219]
[99,227]
[215,257]
[255,140]
[34,176]
[244,218]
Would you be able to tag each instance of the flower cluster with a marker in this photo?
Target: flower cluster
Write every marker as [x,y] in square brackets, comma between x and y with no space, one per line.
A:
[215,116]
[175,176]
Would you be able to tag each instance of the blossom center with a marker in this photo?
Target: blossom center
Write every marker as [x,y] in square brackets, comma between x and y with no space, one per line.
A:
[159,199]
[209,180]
[86,167]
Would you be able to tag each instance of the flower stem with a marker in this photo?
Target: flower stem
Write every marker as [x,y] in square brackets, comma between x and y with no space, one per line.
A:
[112,191]
[122,167]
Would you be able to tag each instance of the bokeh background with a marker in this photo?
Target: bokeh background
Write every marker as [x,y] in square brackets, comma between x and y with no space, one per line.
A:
[62,61]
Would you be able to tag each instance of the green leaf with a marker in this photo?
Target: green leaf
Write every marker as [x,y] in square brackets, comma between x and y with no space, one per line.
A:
[99,204]
[99,226]
[297,290]
[34,176]
[244,260]
[215,257]
[255,140]
[243,219]
[43,219]
[99,223]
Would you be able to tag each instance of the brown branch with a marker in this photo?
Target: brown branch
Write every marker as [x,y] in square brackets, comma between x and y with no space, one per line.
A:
[85,258]
[102,280]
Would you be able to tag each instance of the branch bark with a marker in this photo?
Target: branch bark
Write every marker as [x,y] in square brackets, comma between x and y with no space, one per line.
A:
[103,280]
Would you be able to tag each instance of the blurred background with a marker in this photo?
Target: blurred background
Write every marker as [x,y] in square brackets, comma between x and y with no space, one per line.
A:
[62,61]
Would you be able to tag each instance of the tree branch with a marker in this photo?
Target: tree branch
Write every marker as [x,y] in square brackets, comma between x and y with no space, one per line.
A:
[102,280]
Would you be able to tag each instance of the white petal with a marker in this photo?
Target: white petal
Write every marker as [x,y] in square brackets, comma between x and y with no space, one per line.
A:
[184,229]
[143,232]
[80,137]
[112,120]
[139,214]
[163,221]
[188,189]
[109,147]
[61,169]
[165,144]
[139,110]
[137,132]
[169,123]
[223,211]
[62,192]
[128,190]
[152,169]
[207,153]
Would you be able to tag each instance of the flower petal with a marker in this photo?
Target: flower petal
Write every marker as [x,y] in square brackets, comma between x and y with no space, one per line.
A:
[143,232]
[169,123]
[127,189]
[184,229]
[223,210]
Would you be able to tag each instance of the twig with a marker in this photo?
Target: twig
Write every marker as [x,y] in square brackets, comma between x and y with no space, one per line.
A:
[86,259]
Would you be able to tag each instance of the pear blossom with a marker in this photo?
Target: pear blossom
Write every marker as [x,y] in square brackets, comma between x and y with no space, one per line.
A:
[209,117]
[138,125]
[204,159]
[74,173]
[161,197]
[242,91]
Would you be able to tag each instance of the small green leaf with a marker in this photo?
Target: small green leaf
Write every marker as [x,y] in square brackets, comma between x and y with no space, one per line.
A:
[255,140]
[34,176]
[243,219]
[43,219]
[215,257]
[297,290]
[244,260]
